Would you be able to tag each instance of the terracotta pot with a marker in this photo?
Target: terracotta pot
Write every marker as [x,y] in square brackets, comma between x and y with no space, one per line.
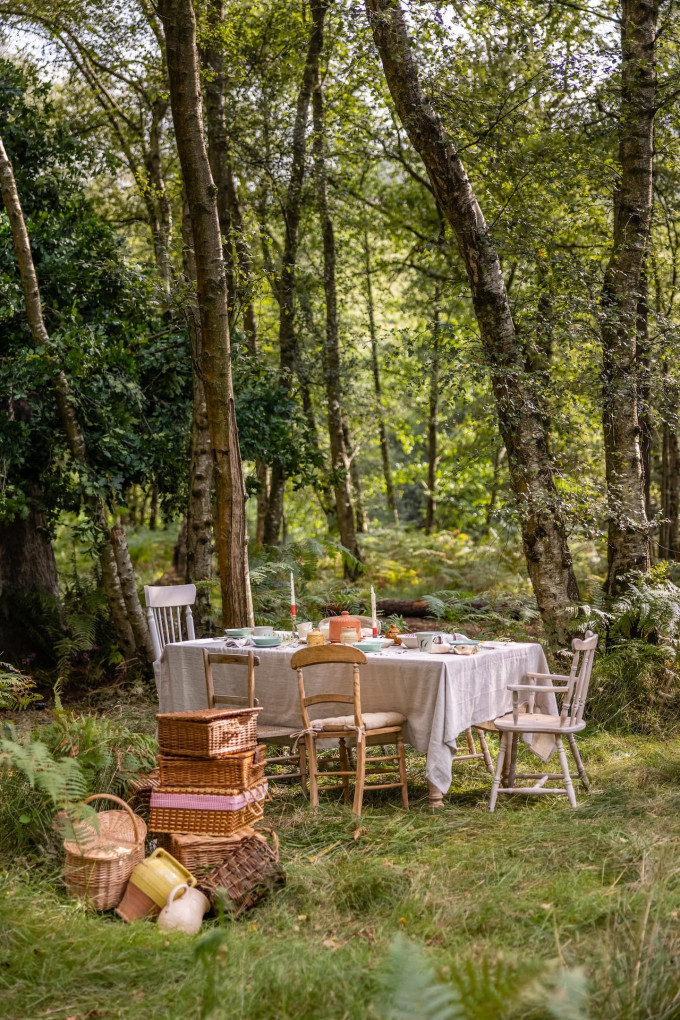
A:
[339,623]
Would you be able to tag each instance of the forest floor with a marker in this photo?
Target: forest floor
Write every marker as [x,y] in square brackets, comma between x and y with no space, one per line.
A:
[583,901]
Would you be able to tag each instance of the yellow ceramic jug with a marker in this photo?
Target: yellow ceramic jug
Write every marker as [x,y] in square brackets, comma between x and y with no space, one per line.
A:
[159,874]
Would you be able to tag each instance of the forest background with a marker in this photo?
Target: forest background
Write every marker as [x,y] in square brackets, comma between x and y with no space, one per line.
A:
[337,290]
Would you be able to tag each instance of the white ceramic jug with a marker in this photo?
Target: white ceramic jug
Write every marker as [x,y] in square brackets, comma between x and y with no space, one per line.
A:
[184,914]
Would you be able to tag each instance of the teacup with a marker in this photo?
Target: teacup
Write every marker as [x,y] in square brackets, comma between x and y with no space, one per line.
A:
[425,639]
[303,630]
[263,631]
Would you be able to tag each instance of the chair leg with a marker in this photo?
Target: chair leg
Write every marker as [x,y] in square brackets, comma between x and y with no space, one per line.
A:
[485,751]
[499,769]
[302,755]
[401,755]
[577,759]
[361,778]
[565,772]
[313,769]
[344,765]
[512,771]
[470,742]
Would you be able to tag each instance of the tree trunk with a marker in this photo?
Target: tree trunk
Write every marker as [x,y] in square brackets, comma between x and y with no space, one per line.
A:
[179,24]
[623,285]
[522,424]
[669,549]
[153,508]
[199,518]
[27,562]
[644,390]
[128,586]
[263,477]
[355,478]
[331,349]
[286,284]
[495,485]
[67,412]
[432,420]
[382,435]
[219,155]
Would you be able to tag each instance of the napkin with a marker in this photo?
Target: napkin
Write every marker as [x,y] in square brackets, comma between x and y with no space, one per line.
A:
[464,649]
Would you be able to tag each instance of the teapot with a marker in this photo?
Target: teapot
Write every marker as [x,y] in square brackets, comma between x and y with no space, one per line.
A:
[183,914]
[343,622]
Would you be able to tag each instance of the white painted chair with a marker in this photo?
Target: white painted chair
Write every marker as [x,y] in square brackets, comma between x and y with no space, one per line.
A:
[164,605]
[574,691]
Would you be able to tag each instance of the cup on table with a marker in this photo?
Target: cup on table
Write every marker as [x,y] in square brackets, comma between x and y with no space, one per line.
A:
[303,630]
[263,631]
[425,639]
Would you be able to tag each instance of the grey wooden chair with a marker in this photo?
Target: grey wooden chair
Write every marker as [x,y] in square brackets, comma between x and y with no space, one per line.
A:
[271,735]
[573,690]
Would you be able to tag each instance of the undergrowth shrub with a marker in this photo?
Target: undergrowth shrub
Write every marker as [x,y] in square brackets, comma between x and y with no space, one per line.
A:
[75,756]
[635,687]
[16,690]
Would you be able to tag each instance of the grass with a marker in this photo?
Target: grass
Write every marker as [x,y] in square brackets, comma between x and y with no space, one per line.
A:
[589,898]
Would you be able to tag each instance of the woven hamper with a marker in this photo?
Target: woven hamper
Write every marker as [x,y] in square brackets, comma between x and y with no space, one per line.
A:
[98,864]
[139,791]
[246,875]
[213,775]
[206,814]
[208,733]
[201,853]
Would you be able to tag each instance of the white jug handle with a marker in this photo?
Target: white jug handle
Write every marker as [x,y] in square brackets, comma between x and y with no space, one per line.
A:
[177,888]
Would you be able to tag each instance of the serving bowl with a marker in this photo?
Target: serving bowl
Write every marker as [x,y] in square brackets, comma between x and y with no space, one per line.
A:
[266,641]
[239,632]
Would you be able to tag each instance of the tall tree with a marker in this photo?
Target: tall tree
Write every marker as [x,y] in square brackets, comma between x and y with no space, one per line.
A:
[286,282]
[523,425]
[340,460]
[623,289]
[117,574]
[179,23]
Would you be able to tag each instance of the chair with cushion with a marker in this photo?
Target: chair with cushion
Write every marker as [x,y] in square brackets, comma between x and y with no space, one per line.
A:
[361,730]
[524,720]
[274,736]
[164,605]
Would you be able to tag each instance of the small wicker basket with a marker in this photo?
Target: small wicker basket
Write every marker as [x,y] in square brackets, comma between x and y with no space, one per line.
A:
[213,775]
[248,874]
[98,864]
[208,733]
[201,853]
[206,814]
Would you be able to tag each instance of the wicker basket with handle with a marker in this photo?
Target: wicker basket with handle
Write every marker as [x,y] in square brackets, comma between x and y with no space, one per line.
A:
[202,853]
[98,864]
[246,875]
[206,814]
[208,733]
[212,775]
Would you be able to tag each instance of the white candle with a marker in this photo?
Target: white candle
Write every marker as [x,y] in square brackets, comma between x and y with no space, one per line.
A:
[374,617]
[292,595]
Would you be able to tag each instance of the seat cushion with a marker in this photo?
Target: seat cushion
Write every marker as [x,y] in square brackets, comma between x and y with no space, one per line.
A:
[535,722]
[372,721]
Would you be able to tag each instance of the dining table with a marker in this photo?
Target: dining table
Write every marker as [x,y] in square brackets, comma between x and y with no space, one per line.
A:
[440,695]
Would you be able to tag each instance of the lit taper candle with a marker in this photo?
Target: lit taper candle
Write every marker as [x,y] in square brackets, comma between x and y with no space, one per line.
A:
[374,615]
[292,598]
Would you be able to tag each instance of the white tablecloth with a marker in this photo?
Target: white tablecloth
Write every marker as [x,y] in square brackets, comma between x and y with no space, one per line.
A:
[440,695]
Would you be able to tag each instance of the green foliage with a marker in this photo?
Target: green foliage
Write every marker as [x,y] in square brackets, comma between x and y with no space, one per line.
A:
[16,690]
[635,687]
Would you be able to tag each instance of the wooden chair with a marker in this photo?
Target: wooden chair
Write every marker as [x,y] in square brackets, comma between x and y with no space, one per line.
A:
[164,604]
[374,728]
[574,691]
[276,736]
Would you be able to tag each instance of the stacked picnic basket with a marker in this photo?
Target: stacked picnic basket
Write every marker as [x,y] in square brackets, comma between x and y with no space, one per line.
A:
[211,791]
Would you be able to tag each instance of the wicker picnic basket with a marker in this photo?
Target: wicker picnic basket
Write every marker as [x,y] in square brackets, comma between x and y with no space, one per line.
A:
[213,775]
[247,874]
[208,733]
[206,814]
[138,791]
[202,853]
[98,864]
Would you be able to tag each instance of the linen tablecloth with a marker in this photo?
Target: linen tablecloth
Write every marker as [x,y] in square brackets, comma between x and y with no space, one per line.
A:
[440,695]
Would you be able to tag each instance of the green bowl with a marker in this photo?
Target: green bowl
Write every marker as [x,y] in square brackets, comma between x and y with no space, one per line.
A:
[239,632]
[267,641]
[369,646]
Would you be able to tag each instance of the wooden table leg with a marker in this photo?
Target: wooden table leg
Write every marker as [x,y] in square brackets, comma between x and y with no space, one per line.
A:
[436,797]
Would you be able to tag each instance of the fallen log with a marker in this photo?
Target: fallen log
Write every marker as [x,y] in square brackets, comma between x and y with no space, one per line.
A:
[389,607]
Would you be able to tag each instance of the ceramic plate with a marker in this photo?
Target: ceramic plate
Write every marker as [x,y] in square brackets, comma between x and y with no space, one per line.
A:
[267,642]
